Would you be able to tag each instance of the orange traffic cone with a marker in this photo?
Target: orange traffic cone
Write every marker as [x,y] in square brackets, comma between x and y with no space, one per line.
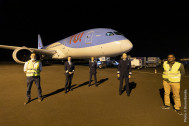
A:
[155,71]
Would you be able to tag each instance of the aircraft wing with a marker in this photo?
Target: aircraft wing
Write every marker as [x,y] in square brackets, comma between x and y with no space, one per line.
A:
[8,47]
[35,50]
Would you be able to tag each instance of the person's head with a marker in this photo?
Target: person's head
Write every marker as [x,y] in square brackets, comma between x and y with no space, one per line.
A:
[92,58]
[171,58]
[33,56]
[124,56]
[69,58]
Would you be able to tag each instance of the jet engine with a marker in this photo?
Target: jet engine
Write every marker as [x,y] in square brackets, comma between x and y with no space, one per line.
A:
[21,55]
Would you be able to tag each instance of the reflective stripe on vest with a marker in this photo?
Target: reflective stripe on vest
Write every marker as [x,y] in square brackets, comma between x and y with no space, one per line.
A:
[173,74]
[33,69]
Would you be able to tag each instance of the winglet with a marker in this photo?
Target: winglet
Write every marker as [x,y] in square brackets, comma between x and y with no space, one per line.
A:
[40,44]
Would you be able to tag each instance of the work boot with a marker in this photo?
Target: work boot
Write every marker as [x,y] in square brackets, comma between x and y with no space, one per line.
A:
[27,101]
[120,92]
[179,112]
[66,92]
[165,107]
[96,84]
[40,99]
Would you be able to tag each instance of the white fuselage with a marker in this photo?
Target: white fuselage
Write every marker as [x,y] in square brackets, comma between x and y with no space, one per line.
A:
[108,49]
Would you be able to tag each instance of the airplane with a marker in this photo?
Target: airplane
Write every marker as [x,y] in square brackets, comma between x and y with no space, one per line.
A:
[97,42]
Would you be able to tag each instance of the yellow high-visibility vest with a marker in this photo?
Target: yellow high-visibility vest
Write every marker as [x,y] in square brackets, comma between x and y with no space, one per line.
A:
[172,74]
[33,69]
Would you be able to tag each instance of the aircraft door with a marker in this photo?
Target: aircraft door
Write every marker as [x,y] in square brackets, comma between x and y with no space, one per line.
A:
[89,37]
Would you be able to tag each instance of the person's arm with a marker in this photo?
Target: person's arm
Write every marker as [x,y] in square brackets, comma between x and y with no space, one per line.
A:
[25,67]
[73,68]
[182,70]
[119,67]
[130,73]
[89,65]
[40,66]
[65,67]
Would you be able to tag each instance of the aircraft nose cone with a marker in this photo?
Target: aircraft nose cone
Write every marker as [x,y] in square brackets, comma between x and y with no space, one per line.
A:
[126,45]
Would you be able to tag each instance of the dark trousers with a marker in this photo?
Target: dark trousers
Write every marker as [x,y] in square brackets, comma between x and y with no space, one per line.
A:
[90,77]
[126,84]
[68,81]
[30,81]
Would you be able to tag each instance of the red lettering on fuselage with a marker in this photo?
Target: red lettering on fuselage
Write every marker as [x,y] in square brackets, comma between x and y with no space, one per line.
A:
[75,40]
[81,36]
[76,37]
[71,39]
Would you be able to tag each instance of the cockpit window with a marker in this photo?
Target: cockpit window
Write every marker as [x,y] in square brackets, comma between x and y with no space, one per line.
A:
[117,33]
[109,33]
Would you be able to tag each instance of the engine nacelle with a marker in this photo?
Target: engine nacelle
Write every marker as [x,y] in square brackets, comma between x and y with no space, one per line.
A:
[21,55]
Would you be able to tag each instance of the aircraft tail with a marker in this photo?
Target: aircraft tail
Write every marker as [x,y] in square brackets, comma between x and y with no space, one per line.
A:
[40,44]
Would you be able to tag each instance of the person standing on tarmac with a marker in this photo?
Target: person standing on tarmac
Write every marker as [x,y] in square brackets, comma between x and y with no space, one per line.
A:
[171,80]
[69,69]
[32,68]
[92,71]
[124,72]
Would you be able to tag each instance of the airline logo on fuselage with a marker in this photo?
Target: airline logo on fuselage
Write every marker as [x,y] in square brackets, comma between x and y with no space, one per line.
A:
[76,38]
[39,45]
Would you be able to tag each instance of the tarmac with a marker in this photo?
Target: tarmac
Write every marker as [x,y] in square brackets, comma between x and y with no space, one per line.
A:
[87,106]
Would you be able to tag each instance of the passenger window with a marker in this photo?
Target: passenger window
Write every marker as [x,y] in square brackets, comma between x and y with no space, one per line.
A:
[109,33]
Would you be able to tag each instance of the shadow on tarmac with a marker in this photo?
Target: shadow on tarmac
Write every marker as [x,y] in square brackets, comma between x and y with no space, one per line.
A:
[132,85]
[87,82]
[161,92]
[73,87]
[52,93]
[102,81]
[80,85]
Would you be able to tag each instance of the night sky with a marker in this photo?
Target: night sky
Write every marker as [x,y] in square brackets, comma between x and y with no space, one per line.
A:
[155,28]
